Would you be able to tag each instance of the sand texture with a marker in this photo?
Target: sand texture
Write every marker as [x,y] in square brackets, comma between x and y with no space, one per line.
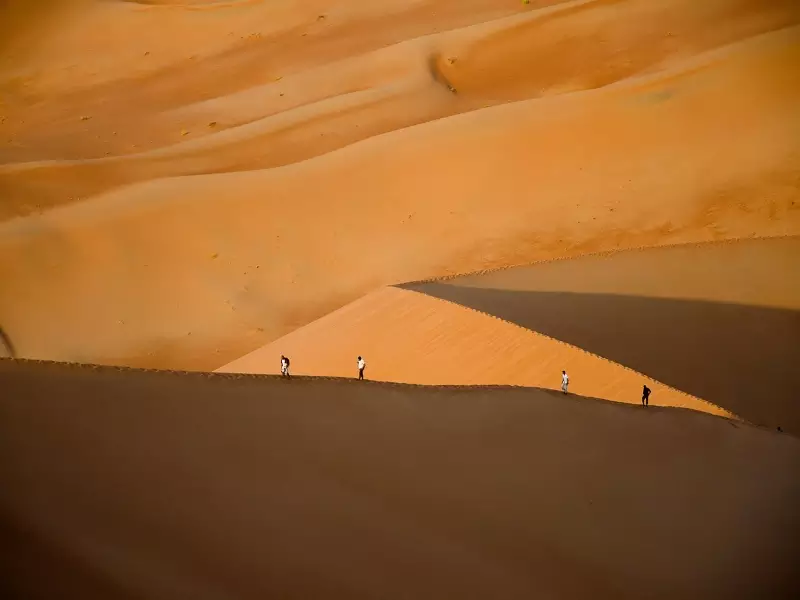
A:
[181,198]
[127,484]
[473,195]
[711,326]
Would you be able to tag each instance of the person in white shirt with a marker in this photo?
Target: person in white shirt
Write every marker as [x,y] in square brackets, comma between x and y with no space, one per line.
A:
[564,381]
[285,367]
[361,365]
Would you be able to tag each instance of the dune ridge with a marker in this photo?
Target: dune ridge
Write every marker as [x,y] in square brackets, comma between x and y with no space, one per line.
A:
[646,188]
[470,491]
[703,325]
[280,143]
[472,195]
[408,337]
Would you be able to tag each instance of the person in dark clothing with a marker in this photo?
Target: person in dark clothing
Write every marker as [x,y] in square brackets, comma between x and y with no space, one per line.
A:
[645,396]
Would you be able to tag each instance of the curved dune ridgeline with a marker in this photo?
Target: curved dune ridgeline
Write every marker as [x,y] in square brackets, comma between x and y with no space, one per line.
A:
[409,337]
[472,195]
[251,487]
[156,213]
[714,327]
[718,321]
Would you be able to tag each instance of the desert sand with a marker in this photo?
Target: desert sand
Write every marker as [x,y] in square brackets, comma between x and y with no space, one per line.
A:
[181,198]
[472,194]
[707,326]
[169,485]
[405,336]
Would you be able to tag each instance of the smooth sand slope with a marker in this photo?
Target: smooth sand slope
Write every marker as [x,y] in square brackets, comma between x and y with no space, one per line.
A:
[205,242]
[125,484]
[751,272]
[719,321]
[411,337]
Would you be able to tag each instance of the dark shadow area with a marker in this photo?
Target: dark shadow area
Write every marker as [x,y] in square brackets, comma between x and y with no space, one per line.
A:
[126,483]
[743,358]
[33,555]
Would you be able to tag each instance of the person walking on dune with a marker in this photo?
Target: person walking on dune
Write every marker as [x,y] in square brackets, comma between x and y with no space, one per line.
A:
[285,367]
[361,365]
[645,396]
[564,381]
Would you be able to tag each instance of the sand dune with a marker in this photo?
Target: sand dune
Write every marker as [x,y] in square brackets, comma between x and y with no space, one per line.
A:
[718,321]
[410,337]
[751,272]
[281,121]
[169,485]
[206,184]
[216,265]
[98,64]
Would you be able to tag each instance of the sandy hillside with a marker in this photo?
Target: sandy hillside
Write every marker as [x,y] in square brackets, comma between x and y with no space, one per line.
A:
[718,321]
[181,198]
[411,337]
[207,486]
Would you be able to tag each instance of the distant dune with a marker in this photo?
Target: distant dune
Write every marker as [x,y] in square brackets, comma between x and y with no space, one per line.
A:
[126,484]
[181,198]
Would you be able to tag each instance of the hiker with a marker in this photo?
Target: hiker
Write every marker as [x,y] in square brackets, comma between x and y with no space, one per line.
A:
[285,367]
[645,396]
[564,381]
[361,365]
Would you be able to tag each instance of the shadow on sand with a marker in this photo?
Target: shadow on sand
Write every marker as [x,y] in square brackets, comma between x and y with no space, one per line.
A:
[254,487]
[743,358]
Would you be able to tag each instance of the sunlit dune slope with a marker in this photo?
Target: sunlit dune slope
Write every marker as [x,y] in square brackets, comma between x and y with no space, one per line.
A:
[195,271]
[309,93]
[238,61]
[719,321]
[178,485]
[411,337]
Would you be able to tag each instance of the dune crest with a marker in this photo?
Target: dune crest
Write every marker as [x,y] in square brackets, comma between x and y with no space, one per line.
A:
[600,170]
[707,326]
[473,196]
[410,337]
[239,486]
[179,199]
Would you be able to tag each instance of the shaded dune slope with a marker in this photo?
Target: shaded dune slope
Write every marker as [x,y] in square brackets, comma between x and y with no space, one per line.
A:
[416,338]
[172,485]
[742,358]
[719,322]
[609,168]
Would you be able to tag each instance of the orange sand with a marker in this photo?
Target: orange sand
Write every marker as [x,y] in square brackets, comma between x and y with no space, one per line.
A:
[406,336]
[180,198]
[413,337]
[188,183]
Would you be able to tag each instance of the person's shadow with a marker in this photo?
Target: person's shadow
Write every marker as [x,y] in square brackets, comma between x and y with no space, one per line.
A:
[6,347]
